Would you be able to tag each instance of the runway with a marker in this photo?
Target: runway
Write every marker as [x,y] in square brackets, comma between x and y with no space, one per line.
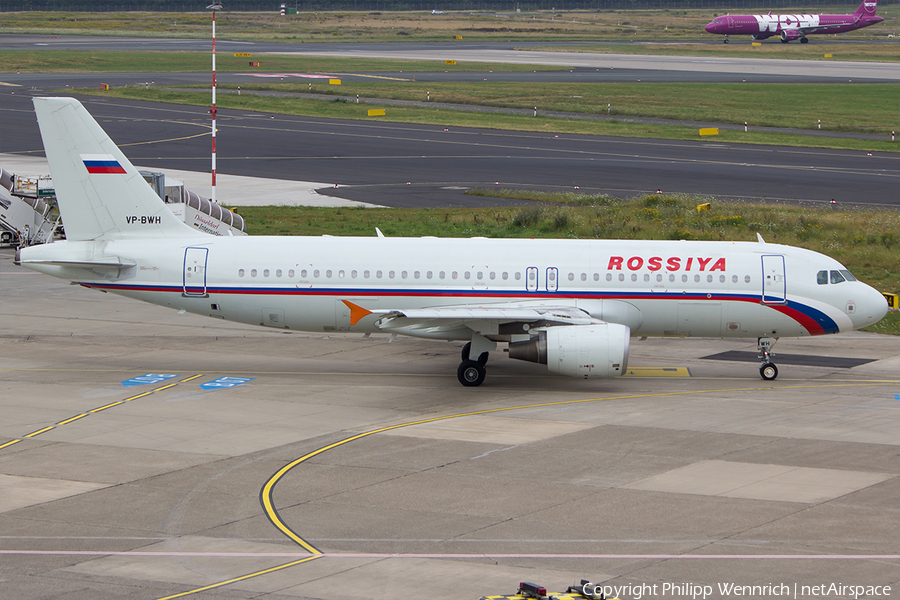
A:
[343,467]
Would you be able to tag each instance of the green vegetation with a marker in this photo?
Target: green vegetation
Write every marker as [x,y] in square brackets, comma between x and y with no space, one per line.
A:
[863,239]
[775,105]
[772,105]
[298,105]
[108,61]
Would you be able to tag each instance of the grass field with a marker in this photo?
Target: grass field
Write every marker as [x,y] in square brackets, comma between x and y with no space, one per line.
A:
[865,240]
[106,61]
[838,106]
[341,108]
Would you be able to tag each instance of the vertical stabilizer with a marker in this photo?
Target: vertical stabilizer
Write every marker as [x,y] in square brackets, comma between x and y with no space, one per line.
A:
[866,9]
[100,193]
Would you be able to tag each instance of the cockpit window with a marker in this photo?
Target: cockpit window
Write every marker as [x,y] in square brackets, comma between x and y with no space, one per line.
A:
[836,277]
[822,277]
[848,275]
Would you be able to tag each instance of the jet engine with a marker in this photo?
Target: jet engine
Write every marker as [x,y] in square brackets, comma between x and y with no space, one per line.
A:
[599,350]
[788,35]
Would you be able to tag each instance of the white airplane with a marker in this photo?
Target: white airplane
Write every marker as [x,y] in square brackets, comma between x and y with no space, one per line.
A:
[570,304]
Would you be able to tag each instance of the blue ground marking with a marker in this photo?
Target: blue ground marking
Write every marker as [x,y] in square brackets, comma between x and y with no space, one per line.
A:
[896,396]
[147,379]
[225,382]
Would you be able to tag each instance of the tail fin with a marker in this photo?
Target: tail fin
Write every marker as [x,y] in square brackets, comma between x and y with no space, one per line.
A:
[100,193]
[866,8]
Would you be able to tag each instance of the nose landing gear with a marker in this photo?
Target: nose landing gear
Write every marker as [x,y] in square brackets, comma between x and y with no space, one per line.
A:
[767,370]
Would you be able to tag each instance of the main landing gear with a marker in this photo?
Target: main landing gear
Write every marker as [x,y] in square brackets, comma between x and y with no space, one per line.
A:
[471,372]
[767,370]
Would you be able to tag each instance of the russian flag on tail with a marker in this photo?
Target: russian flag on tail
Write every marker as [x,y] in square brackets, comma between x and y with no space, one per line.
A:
[101,163]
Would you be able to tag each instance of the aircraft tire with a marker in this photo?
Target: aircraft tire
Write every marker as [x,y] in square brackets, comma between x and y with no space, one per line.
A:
[768,371]
[470,373]
[804,40]
[726,40]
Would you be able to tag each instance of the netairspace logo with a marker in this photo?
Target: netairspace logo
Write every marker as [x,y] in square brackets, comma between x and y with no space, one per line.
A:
[727,590]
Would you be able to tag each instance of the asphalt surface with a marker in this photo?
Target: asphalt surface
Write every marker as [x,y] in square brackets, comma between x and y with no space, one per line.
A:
[116,485]
[418,165]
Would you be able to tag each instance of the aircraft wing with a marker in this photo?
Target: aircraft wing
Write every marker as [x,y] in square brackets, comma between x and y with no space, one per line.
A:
[819,28]
[485,319]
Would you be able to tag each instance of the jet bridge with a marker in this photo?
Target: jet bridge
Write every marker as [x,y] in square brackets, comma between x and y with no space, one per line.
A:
[201,213]
[27,211]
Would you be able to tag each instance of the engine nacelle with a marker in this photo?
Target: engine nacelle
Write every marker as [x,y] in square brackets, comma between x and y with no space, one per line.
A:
[788,35]
[760,36]
[578,351]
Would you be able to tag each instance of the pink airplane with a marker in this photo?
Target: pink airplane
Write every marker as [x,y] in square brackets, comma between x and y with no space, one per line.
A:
[792,27]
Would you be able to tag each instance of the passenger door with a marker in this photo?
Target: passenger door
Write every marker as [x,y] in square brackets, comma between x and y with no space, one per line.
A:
[195,272]
[774,285]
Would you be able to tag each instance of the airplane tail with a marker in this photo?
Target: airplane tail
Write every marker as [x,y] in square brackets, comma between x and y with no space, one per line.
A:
[866,9]
[100,193]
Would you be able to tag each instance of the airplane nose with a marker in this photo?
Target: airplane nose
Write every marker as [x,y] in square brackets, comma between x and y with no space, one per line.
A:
[710,27]
[871,308]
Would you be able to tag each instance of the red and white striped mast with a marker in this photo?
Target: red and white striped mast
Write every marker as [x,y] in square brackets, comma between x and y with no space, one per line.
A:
[214,7]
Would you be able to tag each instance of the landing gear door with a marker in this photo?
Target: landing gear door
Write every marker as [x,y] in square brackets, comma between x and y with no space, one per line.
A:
[774,290]
[195,272]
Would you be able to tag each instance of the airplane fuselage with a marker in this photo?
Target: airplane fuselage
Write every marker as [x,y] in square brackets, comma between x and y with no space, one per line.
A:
[794,26]
[679,288]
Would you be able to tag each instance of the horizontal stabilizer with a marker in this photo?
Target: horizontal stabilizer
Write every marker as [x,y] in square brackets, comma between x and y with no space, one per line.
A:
[98,264]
